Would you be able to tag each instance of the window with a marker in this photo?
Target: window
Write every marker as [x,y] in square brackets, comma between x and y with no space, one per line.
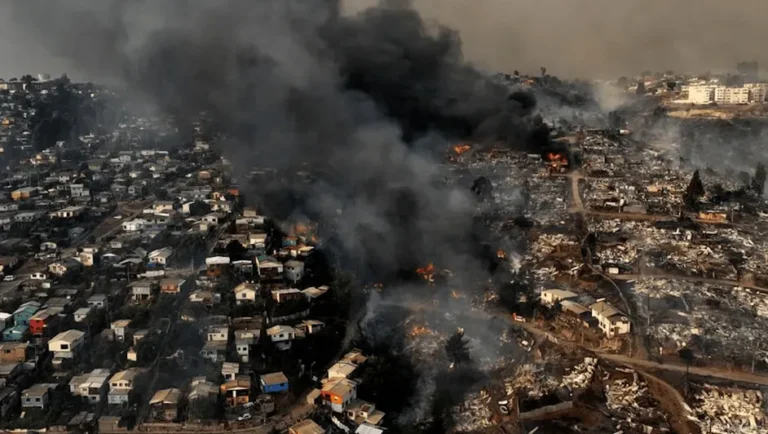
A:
[37,399]
[281,335]
[64,346]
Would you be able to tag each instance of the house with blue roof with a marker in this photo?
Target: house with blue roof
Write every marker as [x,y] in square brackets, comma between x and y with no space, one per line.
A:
[15,333]
[22,315]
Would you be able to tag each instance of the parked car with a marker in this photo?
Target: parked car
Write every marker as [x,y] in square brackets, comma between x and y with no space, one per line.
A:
[246,416]
[9,278]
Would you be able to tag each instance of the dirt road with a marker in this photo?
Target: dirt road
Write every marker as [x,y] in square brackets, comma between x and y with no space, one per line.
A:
[657,274]
[738,376]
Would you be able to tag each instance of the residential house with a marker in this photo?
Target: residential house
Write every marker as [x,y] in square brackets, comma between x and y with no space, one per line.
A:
[15,333]
[6,320]
[341,369]
[13,352]
[98,301]
[230,370]
[27,217]
[69,212]
[171,285]
[258,241]
[162,206]
[142,290]
[43,320]
[246,292]
[275,382]
[87,258]
[338,393]
[62,304]
[612,321]
[310,326]
[218,333]
[283,295]
[306,426]
[24,312]
[10,372]
[252,335]
[139,335]
[164,405]
[282,336]
[207,298]
[93,386]
[354,356]
[313,293]
[238,391]
[120,328]
[550,297]
[121,385]
[136,225]
[9,401]
[213,218]
[215,351]
[361,412]
[243,348]
[66,345]
[200,388]
[243,267]
[65,266]
[160,257]
[8,263]
[82,314]
[217,265]
[37,396]
[269,267]
[24,193]
[294,270]
[79,190]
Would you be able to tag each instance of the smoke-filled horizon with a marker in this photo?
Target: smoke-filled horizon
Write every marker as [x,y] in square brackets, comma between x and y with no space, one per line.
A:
[599,38]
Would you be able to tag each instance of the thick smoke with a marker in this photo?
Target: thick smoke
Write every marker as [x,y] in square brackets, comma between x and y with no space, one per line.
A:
[363,100]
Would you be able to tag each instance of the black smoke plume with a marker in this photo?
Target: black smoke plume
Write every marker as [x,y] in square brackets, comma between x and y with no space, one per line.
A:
[363,101]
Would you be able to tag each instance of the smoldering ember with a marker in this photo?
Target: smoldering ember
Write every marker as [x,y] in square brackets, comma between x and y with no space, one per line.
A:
[278,216]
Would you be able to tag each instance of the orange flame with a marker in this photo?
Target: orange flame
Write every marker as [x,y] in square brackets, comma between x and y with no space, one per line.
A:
[428,272]
[461,148]
[456,294]
[501,254]
[420,331]
[557,159]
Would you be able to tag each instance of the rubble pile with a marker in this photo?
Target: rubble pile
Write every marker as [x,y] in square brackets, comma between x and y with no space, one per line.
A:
[679,248]
[730,411]
[532,379]
[581,375]
[726,317]
[599,144]
[474,413]
[547,199]
[546,244]
[631,401]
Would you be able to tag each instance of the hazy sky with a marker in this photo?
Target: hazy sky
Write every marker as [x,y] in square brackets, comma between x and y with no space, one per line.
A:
[572,38]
